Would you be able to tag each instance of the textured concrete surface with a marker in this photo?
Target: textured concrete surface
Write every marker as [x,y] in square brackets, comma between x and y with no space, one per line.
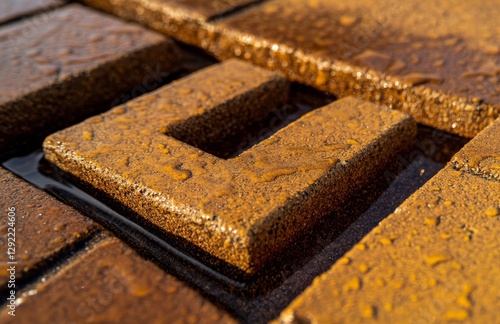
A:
[242,210]
[44,227]
[58,70]
[437,61]
[434,260]
[183,18]
[481,156]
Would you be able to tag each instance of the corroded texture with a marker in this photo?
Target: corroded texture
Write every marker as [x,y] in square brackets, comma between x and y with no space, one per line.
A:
[12,9]
[437,60]
[44,227]
[245,209]
[481,156]
[180,18]
[56,71]
[112,284]
[434,260]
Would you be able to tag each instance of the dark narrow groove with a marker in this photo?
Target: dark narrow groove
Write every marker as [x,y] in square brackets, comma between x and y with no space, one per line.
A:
[51,266]
[235,10]
[331,241]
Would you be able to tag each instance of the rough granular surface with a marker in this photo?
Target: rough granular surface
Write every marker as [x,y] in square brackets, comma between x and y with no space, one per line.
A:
[61,70]
[245,209]
[182,18]
[481,156]
[112,284]
[437,60]
[434,260]
[44,227]
[12,9]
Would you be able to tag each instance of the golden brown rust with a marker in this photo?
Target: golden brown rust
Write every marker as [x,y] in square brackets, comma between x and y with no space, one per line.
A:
[112,283]
[69,66]
[437,60]
[44,226]
[453,264]
[242,210]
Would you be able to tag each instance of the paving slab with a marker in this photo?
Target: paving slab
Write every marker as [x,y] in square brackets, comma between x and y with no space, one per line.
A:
[60,69]
[481,156]
[183,18]
[434,260]
[245,209]
[13,9]
[112,284]
[43,227]
[437,60]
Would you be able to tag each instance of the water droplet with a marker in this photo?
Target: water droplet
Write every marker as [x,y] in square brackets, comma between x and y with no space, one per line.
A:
[432,221]
[178,174]
[353,284]
[87,136]
[373,59]
[435,259]
[344,261]
[457,315]
[386,241]
[185,91]
[347,20]
[364,268]
[94,38]
[368,312]
[59,227]
[417,78]
[48,70]
[492,212]
[488,68]
[361,246]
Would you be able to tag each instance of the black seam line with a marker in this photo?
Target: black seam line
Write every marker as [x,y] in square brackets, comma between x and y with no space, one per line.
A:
[48,268]
[234,11]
